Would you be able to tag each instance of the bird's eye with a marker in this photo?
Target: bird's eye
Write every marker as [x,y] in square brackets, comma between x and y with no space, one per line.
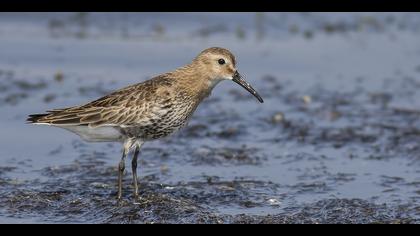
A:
[221,61]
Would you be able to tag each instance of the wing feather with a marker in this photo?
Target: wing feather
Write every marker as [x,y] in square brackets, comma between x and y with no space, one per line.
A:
[133,105]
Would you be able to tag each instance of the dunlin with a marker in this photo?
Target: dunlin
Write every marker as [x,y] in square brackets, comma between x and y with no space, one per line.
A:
[149,110]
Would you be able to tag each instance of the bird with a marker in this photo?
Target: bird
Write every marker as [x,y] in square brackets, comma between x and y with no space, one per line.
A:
[148,110]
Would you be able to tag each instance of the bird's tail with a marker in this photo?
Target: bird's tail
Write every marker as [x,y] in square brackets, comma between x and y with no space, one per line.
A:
[34,118]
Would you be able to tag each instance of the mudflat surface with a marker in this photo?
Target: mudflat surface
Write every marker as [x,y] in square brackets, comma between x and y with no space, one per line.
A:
[336,141]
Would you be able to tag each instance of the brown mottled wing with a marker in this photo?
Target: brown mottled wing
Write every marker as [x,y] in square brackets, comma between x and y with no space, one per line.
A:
[137,104]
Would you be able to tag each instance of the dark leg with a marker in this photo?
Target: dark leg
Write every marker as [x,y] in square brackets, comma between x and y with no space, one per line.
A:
[121,168]
[134,169]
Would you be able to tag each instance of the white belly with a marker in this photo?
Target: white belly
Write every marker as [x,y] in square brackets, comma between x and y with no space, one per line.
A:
[98,134]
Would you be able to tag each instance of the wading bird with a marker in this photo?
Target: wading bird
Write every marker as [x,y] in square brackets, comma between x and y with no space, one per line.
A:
[149,110]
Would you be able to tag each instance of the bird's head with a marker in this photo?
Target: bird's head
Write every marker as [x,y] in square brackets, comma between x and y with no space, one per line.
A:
[220,64]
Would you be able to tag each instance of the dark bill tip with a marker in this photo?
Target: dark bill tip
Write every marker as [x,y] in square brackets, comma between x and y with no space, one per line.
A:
[237,78]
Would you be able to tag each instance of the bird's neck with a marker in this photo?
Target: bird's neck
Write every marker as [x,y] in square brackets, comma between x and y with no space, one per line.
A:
[196,79]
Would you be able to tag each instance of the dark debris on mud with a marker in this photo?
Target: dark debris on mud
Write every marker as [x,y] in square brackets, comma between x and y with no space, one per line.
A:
[13,90]
[333,211]
[342,119]
[226,156]
[16,89]
[84,192]
[182,204]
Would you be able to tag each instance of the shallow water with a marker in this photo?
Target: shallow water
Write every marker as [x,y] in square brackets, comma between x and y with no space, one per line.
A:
[335,141]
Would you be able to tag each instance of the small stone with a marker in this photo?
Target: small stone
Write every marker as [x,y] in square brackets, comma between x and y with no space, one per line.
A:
[307,99]
[226,188]
[49,98]
[59,77]
[164,168]
[99,185]
[278,117]
[308,34]
[273,202]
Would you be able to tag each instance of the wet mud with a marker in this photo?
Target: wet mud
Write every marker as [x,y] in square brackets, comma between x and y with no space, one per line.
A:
[327,146]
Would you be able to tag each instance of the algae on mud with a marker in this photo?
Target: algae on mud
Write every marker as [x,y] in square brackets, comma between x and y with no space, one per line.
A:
[336,140]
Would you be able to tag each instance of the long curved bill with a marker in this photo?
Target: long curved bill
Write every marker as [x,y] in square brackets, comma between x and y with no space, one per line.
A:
[237,78]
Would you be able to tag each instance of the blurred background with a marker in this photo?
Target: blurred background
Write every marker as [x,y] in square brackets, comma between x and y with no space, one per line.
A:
[337,139]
